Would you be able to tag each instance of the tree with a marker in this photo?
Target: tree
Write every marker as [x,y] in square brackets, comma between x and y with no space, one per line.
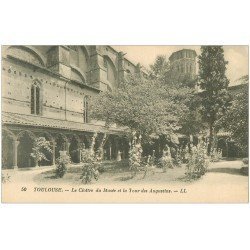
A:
[190,122]
[144,106]
[160,69]
[235,119]
[214,83]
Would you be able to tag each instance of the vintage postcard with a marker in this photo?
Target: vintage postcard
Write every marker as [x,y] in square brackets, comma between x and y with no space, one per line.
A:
[124,124]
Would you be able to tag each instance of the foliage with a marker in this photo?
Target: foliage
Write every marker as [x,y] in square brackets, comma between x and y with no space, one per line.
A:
[215,155]
[135,154]
[148,165]
[235,120]
[214,83]
[166,160]
[142,105]
[245,161]
[184,154]
[89,172]
[197,161]
[160,68]
[191,121]
[245,167]
[177,161]
[91,160]
[61,165]
[40,145]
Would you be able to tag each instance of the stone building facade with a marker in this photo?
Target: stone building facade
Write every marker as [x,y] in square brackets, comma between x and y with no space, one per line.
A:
[46,92]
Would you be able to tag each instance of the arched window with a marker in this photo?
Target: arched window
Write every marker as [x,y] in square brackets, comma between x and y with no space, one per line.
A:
[111,71]
[35,100]
[83,59]
[85,109]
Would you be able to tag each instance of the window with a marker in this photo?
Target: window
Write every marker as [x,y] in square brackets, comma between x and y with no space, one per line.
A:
[85,109]
[105,62]
[35,100]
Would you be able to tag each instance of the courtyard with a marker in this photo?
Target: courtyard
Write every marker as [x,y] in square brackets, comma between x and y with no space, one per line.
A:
[219,173]
[223,182]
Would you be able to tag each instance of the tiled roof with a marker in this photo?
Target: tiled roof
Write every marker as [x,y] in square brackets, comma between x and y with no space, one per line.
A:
[44,122]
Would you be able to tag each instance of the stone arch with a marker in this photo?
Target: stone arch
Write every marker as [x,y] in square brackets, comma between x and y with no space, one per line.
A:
[77,75]
[74,136]
[47,135]
[26,141]
[26,53]
[111,71]
[31,134]
[10,133]
[8,150]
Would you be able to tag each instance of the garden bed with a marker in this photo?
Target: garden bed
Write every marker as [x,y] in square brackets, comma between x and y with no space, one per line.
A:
[113,172]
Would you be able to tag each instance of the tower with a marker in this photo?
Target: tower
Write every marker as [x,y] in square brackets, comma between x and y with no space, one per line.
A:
[183,65]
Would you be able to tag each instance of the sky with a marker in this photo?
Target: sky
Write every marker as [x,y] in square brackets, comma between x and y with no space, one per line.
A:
[237,56]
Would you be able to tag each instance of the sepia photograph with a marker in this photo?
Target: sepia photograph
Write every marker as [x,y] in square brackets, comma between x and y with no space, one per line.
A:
[124,124]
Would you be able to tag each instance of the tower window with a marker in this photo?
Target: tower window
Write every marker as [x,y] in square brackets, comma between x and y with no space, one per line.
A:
[35,100]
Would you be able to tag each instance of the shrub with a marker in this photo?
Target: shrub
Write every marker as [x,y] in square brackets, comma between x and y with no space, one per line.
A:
[245,161]
[148,165]
[91,165]
[40,145]
[177,161]
[197,162]
[88,173]
[215,155]
[91,160]
[61,165]
[135,155]
[245,168]
[166,161]
[184,154]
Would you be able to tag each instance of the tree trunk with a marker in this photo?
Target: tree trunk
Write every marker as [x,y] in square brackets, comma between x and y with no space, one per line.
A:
[211,137]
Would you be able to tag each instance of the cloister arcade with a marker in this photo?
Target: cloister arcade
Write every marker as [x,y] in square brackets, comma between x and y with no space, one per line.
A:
[17,146]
